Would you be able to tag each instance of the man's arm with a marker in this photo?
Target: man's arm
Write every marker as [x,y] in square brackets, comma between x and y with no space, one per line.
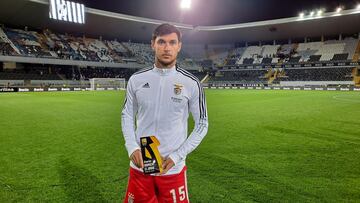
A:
[197,106]
[128,125]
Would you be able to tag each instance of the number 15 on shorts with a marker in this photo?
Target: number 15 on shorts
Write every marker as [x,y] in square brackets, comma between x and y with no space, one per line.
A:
[180,192]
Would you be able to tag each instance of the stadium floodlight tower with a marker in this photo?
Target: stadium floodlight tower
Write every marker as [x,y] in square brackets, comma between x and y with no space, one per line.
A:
[107,83]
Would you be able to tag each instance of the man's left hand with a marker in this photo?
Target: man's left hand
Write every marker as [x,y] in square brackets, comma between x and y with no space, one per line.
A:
[168,163]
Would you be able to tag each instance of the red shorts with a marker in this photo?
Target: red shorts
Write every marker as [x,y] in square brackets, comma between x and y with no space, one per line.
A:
[156,189]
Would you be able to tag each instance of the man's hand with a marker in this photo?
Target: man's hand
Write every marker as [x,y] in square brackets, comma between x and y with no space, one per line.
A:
[167,165]
[136,158]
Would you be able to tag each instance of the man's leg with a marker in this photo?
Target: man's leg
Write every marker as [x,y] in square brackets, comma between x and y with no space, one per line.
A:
[141,188]
[172,188]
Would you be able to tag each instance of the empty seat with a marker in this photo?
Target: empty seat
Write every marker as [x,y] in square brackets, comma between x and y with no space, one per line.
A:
[314,58]
[340,57]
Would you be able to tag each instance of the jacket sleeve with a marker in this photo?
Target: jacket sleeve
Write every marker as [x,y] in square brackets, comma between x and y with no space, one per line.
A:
[197,107]
[128,116]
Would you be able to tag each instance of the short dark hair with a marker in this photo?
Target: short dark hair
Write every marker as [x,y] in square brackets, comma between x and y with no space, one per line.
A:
[165,29]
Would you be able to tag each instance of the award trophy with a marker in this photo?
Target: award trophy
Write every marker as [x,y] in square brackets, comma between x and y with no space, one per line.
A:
[150,154]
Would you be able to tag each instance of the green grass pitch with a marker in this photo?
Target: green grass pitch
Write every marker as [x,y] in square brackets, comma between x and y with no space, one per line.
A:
[262,146]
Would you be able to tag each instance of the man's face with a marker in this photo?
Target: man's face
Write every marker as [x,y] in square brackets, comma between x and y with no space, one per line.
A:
[166,49]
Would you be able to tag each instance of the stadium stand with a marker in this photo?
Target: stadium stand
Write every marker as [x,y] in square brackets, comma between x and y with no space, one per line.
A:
[260,77]
[219,59]
[314,58]
[350,47]
[270,50]
[318,74]
[238,52]
[249,55]
[257,54]
[286,50]
[46,44]
[296,54]
[239,77]
[294,59]
[142,51]
[332,50]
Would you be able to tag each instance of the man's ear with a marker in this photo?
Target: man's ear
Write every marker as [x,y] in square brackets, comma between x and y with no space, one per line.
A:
[152,45]
[180,44]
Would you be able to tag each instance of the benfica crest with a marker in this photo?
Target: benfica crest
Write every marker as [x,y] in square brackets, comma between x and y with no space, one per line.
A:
[178,88]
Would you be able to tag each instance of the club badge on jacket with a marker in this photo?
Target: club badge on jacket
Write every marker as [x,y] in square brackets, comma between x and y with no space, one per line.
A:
[178,88]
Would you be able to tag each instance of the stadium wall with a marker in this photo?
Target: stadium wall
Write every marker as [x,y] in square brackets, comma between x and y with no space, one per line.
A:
[33,60]
[288,88]
[51,89]
[314,83]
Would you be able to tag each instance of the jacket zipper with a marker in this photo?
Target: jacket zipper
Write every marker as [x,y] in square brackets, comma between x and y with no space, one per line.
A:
[158,105]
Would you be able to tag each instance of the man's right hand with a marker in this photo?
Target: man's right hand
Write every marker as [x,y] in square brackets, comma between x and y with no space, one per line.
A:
[136,158]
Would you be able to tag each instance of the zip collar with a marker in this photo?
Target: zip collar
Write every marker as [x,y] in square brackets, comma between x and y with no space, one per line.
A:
[164,71]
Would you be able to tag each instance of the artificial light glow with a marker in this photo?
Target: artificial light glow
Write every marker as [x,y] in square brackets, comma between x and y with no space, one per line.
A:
[358,7]
[312,13]
[338,10]
[320,12]
[185,4]
[301,15]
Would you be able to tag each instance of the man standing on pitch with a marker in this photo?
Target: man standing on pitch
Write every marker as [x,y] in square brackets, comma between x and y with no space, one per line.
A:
[159,100]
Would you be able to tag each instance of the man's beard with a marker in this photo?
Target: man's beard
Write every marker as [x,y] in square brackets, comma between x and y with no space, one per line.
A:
[166,64]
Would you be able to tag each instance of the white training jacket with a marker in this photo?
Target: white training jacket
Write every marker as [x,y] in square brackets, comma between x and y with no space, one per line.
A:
[159,101]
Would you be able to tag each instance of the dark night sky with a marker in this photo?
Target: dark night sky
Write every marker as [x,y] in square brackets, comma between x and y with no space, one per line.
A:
[216,12]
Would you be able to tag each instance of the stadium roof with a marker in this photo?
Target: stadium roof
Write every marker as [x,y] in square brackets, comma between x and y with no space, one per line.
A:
[35,14]
[216,12]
